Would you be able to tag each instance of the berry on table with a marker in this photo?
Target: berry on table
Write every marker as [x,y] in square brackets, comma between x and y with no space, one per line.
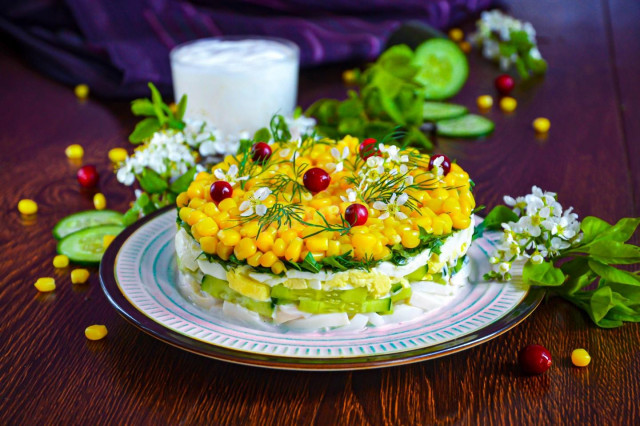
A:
[88,176]
[368,148]
[504,84]
[534,359]
[580,357]
[356,214]
[442,162]
[316,179]
[220,190]
[260,152]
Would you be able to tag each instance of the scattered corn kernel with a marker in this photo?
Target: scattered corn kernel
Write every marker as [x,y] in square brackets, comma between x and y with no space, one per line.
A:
[27,207]
[349,77]
[46,284]
[99,201]
[95,332]
[79,276]
[81,91]
[74,152]
[117,155]
[456,34]
[107,240]
[465,46]
[508,104]
[60,261]
[541,125]
[485,102]
[580,357]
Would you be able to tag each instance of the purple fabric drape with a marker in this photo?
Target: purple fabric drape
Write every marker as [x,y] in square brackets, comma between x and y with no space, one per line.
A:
[117,46]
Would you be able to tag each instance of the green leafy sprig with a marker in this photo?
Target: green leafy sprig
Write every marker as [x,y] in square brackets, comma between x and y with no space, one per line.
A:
[587,273]
[159,115]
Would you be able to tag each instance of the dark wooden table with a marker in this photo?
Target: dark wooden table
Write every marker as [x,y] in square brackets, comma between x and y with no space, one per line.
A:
[49,372]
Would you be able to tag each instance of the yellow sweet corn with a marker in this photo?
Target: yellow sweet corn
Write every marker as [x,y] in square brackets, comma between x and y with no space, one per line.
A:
[45,285]
[27,207]
[95,332]
[99,201]
[79,276]
[60,261]
[117,155]
[74,151]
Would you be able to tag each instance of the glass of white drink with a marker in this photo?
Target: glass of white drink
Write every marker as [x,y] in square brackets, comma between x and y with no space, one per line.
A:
[236,83]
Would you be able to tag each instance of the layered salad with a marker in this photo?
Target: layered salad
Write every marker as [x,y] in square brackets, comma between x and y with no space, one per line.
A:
[323,234]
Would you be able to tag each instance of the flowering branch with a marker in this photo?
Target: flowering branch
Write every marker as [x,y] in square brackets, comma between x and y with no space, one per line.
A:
[574,259]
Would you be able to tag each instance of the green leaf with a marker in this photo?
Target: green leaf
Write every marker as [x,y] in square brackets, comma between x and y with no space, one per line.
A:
[152,182]
[333,261]
[595,229]
[578,274]
[614,252]
[494,220]
[182,183]
[181,108]
[614,274]
[156,99]
[601,302]
[592,227]
[144,130]
[131,215]
[262,135]
[543,274]
[310,264]
[143,107]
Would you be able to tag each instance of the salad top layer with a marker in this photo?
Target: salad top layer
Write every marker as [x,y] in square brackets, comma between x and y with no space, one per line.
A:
[324,204]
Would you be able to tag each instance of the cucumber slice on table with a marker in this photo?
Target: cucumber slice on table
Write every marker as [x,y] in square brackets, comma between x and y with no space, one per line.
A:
[86,219]
[443,68]
[86,245]
[434,111]
[468,126]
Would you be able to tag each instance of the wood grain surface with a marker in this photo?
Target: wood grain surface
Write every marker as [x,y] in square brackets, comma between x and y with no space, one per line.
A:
[51,374]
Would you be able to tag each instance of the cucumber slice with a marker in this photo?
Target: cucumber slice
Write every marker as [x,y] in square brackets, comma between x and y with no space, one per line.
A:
[86,245]
[220,289]
[443,68]
[86,219]
[468,126]
[325,307]
[434,111]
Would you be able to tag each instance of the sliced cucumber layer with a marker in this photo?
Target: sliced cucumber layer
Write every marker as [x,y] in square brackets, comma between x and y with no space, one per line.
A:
[435,111]
[443,68]
[86,219]
[87,245]
[468,126]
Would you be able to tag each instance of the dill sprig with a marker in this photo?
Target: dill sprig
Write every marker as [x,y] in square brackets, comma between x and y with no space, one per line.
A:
[282,183]
[343,227]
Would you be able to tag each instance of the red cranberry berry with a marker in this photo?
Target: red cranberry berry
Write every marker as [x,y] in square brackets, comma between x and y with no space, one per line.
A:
[261,152]
[316,179]
[88,176]
[445,165]
[368,148]
[220,190]
[504,84]
[534,359]
[356,214]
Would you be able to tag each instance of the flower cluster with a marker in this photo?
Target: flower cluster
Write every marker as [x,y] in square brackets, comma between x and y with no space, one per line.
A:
[167,153]
[206,138]
[509,42]
[543,231]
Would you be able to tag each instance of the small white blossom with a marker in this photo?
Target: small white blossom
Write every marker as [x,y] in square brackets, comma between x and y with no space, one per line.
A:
[338,166]
[352,196]
[254,203]
[392,207]
[230,176]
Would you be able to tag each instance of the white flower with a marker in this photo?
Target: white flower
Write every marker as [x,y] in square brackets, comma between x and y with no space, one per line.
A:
[231,176]
[437,164]
[536,258]
[125,176]
[392,207]
[376,163]
[254,203]
[300,126]
[504,267]
[340,157]
[351,197]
